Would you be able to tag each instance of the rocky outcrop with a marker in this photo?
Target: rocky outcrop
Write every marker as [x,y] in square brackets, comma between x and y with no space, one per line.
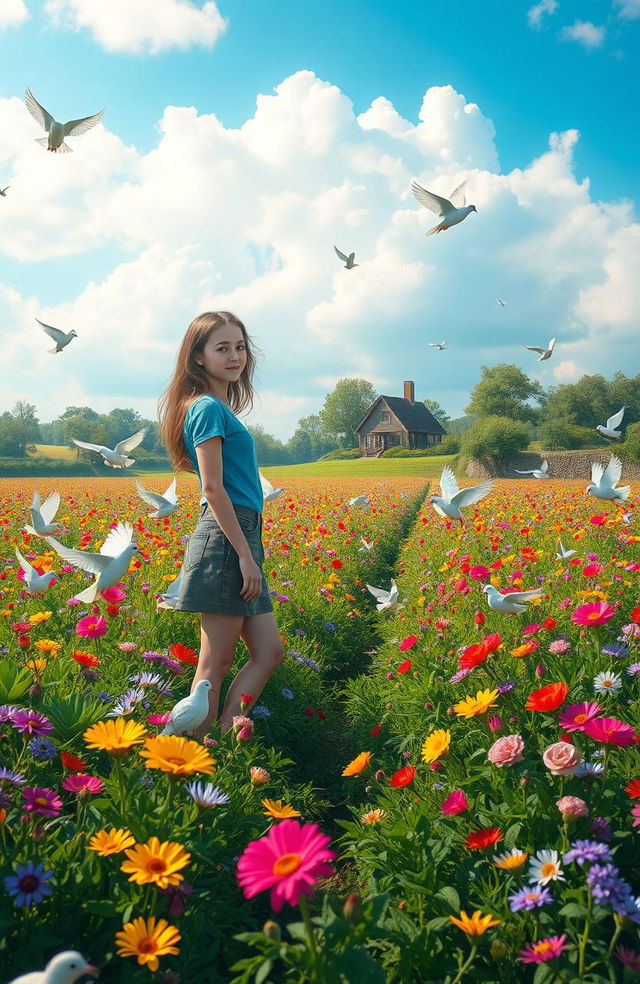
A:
[562,464]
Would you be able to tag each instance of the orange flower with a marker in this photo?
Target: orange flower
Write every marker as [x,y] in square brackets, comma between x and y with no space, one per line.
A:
[85,659]
[548,698]
[358,764]
[403,776]
[478,839]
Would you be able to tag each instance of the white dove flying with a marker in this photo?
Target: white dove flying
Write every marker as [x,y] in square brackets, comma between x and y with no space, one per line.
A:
[511,603]
[541,472]
[169,598]
[110,565]
[269,493]
[58,131]
[563,554]
[366,545]
[450,211]
[609,430]
[387,601]
[3,191]
[61,338]
[452,498]
[42,515]
[34,582]
[116,458]
[190,712]
[500,302]
[441,346]
[64,968]
[359,502]
[349,261]
[545,353]
[164,504]
[604,480]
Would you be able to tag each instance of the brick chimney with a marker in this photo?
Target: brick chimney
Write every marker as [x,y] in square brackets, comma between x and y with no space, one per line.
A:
[409,393]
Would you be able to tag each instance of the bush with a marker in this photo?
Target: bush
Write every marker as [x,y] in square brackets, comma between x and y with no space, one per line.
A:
[630,448]
[563,435]
[341,454]
[495,437]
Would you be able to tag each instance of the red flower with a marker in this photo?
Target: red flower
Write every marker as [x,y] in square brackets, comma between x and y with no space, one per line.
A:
[321,714]
[492,642]
[24,641]
[85,659]
[403,776]
[635,615]
[479,618]
[478,839]
[633,789]
[310,711]
[375,731]
[548,698]
[549,623]
[183,653]
[73,762]
[599,520]
[591,570]
[472,656]
[404,667]
[337,564]
[408,643]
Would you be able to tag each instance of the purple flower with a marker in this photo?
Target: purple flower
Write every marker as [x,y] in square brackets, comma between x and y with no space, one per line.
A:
[43,802]
[616,649]
[607,887]
[31,722]
[460,675]
[8,775]
[506,687]
[633,669]
[29,885]
[152,657]
[6,712]
[529,898]
[587,852]
[601,828]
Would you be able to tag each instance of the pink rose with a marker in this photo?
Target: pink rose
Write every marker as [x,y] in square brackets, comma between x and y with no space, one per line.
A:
[506,750]
[572,807]
[562,758]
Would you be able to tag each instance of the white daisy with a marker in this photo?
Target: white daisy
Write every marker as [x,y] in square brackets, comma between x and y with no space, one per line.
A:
[606,683]
[545,867]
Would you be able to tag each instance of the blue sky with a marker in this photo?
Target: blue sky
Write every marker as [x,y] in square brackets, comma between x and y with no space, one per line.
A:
[528,81]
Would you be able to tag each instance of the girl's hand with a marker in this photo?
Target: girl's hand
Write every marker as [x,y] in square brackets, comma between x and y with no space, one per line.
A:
[252,578]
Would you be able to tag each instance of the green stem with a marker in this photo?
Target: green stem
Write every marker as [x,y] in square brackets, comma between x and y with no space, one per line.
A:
[582,943]
[614,938]
[167,805]
[466,964]
[304,909]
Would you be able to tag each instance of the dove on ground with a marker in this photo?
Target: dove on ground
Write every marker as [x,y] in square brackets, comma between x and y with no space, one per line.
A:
[164,504]
[61,338]
[349,261]
[116,457]
[359,502]
[42,515]
[511,603]
[58,131]
[387,601]
[545,353]
[34,582]
[441,346]
[609,430]
[3,191]
[541,472]
[64,968]
[563,554]
[169,597]
[190,712]
[627,518]
[500,302]
[450,211]
[269,493]
[452,498]
[110,565]
[604,480]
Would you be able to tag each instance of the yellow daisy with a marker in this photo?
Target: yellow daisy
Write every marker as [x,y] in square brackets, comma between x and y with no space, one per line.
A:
[147,940]
[480,704]
[48,646]
[358,764]
[111,842]
[38,617]
[277,810]
[510,859]
[116,736]
[474,925]
[177,756]
[436,745]
[373,816]
[156,862]
[36,665]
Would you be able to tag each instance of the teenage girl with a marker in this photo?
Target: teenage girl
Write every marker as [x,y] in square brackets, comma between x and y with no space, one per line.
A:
[222,577]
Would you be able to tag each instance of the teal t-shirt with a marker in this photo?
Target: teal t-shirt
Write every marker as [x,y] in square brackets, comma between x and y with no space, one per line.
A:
[209,417]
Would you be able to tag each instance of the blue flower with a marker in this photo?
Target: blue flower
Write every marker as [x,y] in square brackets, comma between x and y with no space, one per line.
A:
[260,712]
[287,694]
[529,898]
[42,749]
[205,795]
[29,885]
[583,851]
[329,626]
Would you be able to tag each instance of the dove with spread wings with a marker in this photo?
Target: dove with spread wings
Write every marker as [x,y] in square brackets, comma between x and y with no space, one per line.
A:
[109,566]
[450,211]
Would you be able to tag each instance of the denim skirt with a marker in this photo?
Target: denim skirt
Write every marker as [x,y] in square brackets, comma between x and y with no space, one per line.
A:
[211,578]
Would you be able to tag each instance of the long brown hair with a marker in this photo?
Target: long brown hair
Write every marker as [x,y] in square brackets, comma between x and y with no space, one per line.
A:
[190,381]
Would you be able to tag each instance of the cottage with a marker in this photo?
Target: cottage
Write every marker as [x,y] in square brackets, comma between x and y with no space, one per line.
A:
[398,420]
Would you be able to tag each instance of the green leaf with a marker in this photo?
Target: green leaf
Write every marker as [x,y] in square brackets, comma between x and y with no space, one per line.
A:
[543,973]
[72,716]
[263,972]
[573,910]
[14,681]
[358,965]
[449,895]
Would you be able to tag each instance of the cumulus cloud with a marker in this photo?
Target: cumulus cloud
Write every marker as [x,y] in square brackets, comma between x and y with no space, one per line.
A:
[140,27]
[537,13]
[250,226]
[12,13]
[628,9]
[585,33]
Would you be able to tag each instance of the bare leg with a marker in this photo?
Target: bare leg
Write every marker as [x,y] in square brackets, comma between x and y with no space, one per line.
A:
[266,652]
[219,635]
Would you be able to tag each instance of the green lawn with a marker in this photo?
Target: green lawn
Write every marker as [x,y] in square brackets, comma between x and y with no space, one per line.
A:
[366,467]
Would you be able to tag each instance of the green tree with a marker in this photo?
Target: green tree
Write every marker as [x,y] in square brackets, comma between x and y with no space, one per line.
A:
[562,433]
[438,412]
[309,441]
[344,408]
[495,437]
[503,391]
[269,450]
[593,399]
[630,447]
[26,427]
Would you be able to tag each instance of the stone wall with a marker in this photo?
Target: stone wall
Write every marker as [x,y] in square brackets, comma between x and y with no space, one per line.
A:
[562,464]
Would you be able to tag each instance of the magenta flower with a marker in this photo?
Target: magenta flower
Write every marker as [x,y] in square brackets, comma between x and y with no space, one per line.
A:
[31,722]
[636,813]
[91,626]
[593,613]
[288,860]
[43,802]
[611,731]
[543,950]
[455,803]
[115,594]
[83,785]
[158,718]
[575,716]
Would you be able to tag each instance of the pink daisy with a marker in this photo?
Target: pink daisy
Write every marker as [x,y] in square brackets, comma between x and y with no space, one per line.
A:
[91,626]
[81,784]
[455,803]
[43,802]
[158,718]
[543,950]
[593,613]
[636,813]
[288,860]
[575,716]
[611,731]
[114,594]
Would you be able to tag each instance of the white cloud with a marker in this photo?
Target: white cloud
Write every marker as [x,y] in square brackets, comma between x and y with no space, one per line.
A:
[12,13]
[568,371]
[628,9]
[585,33]
[140,26]
[250,226]
[537,13]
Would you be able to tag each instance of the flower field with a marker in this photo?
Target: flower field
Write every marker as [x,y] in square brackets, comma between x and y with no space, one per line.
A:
[437,792]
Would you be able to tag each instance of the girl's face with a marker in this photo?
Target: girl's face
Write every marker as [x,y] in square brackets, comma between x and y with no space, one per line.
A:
[224,355]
